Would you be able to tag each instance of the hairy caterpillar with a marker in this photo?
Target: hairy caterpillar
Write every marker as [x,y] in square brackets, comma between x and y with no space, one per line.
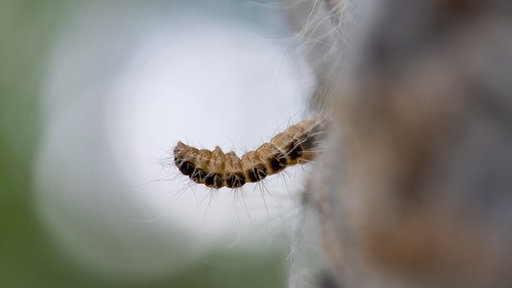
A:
[216,169]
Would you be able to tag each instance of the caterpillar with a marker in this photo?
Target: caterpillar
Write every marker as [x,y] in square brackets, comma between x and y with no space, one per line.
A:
[216,169]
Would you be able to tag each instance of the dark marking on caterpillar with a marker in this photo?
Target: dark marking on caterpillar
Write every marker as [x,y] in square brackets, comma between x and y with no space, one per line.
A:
[216,169]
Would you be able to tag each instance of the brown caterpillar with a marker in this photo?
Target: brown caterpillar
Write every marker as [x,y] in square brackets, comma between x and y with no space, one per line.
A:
[216,169]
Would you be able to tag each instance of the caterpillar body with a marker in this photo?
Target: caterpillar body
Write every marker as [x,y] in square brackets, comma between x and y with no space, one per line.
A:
[216,169]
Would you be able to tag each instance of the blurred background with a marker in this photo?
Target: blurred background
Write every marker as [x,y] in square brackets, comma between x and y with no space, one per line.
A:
[93,97]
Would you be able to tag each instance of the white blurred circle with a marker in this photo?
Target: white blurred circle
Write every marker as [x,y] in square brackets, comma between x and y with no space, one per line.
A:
[118,101]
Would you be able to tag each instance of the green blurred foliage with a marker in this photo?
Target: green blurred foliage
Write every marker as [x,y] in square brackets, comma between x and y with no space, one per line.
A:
[27,256]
